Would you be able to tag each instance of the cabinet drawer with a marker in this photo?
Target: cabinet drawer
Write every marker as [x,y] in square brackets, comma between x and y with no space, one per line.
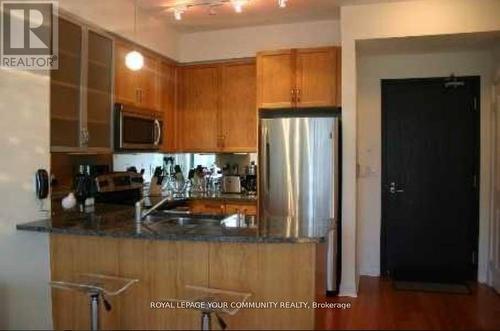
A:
[207,207]
[248,209]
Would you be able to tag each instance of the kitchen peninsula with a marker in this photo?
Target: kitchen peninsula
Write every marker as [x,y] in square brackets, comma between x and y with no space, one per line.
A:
[275,264]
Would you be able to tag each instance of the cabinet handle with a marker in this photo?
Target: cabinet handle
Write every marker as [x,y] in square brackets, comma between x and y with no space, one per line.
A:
[85,136]
[292,93]
[298,93]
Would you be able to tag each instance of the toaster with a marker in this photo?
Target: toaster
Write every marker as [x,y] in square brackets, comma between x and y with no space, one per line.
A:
[231,184]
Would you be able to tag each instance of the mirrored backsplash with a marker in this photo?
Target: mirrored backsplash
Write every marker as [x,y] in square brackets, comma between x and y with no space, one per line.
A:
[186,161]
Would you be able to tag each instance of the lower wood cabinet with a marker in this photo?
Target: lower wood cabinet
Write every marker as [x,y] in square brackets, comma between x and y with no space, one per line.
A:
[278,272]
[215,207]
[247,209]
[207,207]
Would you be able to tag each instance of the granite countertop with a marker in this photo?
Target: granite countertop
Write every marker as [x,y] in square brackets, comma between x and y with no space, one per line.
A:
[118,222]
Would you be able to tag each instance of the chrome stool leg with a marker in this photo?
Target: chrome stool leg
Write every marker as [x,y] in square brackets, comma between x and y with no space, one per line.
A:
[206,321]
[94,311]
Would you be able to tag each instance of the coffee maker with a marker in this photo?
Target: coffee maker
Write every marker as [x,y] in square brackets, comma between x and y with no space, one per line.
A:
[251,179]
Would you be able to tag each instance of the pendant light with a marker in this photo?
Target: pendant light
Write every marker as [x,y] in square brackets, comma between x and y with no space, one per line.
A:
[134,60]
[238,5]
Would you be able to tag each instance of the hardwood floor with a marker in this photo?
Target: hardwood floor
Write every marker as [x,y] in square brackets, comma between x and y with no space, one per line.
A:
[380,306]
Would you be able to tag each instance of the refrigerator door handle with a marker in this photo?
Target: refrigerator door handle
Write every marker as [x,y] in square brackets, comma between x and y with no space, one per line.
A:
[331,258]
[268,163]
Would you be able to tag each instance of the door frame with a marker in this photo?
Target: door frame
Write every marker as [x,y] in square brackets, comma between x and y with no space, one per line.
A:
[493,267]
[384,176]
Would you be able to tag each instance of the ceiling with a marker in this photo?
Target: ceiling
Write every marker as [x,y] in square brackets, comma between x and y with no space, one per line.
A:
[255,12]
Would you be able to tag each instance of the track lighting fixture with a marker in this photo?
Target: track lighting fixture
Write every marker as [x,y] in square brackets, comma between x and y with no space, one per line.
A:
[178,10]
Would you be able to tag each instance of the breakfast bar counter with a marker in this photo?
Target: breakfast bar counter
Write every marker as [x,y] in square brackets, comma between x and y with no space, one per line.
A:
[118,222]
[276,266]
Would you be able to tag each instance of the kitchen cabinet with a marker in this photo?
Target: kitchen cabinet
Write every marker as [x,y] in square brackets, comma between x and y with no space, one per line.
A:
[209,207]
[246,208]
[221,207]
[271,272]
[308,77]
[80,90]
[238,112]
[148,84]
[139,88]
[168,81]
[99,91]
[198,126]
[217,107]
[275,79]
[317,77]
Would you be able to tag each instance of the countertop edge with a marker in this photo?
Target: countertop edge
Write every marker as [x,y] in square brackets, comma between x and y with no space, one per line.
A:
[173,237]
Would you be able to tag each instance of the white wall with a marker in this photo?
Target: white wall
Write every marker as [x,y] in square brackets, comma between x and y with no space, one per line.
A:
[373,68]
[118,16]
[247,41]
[388,20]
[24,144]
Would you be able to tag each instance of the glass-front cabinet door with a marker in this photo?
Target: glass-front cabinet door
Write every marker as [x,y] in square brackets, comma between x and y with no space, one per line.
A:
[99,96]
[65,88]
[81,90]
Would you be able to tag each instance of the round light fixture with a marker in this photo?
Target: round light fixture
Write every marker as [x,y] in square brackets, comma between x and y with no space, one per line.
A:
[238,5]
[134,60]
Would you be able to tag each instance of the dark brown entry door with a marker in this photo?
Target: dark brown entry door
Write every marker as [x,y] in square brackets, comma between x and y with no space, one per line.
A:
[430,178]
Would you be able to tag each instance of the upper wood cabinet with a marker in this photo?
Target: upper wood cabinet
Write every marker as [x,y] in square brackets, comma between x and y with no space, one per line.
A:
[198,127]
[318,77]
[307,77]
[148,83]
[168,104]
[238,113]
[217,107]
[276,79]
[138,88]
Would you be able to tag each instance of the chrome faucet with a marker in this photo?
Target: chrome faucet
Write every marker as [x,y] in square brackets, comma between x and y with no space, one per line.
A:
[140,214]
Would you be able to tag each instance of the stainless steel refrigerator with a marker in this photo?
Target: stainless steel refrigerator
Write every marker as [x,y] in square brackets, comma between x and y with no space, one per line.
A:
[299,180]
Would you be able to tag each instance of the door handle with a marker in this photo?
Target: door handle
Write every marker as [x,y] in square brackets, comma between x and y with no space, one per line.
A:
[393,189]
[268,163]
[157,132]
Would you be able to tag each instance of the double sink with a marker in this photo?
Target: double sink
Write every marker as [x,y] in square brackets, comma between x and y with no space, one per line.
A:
[165,218]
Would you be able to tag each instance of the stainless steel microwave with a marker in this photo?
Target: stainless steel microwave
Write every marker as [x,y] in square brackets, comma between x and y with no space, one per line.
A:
[137,129]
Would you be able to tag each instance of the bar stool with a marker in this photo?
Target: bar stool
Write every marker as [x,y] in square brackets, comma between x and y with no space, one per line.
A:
[95,286]
[210,301]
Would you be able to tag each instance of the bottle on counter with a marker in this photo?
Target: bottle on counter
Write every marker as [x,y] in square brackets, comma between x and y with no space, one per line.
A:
[83,187]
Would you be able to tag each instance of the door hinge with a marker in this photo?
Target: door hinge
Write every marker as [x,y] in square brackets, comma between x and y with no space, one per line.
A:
[474,181]
[475,104]
[474,257]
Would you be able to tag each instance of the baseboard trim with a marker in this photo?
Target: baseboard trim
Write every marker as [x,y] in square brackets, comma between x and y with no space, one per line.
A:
[348,291]
[496,279]
[371,272]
